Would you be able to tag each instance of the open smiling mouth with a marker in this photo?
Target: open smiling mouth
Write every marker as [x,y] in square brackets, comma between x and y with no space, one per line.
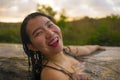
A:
[54,42]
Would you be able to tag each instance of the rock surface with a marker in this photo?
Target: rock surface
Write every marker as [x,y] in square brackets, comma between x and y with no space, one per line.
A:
[13,62]
[103,65]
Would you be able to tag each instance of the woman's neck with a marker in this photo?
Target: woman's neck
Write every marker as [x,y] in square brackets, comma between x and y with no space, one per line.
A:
[58,58]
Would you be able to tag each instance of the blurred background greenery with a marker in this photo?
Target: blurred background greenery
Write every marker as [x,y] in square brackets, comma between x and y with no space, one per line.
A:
[102,31]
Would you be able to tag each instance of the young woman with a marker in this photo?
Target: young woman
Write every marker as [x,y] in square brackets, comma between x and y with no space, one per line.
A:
[48,57]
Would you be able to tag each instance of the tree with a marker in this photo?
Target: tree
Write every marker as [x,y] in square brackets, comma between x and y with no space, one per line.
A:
[62,19]
[49,11]
[46,9]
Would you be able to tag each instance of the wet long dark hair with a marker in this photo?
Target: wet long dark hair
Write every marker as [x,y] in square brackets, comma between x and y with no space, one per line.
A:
[35,58]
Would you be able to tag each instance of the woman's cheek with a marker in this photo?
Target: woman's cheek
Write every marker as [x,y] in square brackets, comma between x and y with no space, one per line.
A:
[37,41]
[58,30]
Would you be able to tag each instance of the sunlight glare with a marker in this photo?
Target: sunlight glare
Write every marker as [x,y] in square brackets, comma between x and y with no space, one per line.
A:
[46,2]
[49,3]
[110,2]
[11,19]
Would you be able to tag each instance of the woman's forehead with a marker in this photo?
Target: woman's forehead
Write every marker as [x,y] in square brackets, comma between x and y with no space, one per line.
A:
[39,19]
[36,22]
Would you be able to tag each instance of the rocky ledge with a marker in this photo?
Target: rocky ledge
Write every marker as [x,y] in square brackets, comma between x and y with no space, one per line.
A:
[102,65]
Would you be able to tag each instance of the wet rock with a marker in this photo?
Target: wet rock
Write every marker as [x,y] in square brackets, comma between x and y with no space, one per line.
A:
[101,65]
[13,62]
[13,68]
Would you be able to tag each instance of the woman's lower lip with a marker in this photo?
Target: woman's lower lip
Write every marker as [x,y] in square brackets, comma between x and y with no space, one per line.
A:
[55,44]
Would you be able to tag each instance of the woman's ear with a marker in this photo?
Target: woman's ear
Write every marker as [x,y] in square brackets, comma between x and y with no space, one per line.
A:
[32,47]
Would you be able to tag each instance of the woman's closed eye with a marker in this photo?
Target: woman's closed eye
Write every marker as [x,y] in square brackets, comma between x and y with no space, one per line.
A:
[50,25]
[38,33]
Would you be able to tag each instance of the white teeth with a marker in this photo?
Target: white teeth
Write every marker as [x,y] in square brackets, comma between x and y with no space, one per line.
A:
[54,41]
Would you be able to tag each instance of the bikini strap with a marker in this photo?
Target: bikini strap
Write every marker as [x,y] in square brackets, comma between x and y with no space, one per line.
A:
[67,73]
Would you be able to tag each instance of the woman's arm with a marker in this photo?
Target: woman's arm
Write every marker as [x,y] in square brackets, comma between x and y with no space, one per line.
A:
[83,50]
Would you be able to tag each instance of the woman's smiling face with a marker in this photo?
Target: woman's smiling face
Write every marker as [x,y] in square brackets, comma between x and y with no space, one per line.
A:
[44,35]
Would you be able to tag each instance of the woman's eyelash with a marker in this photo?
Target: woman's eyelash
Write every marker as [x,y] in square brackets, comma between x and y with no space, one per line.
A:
[38,33]
[50,25]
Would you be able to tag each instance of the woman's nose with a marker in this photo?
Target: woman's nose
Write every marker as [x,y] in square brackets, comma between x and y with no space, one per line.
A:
[49,33]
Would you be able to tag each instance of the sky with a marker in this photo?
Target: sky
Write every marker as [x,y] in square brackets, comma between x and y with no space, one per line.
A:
[16,10]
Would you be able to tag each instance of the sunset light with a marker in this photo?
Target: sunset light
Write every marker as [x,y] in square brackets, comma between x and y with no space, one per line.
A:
[47,2]
[16,10]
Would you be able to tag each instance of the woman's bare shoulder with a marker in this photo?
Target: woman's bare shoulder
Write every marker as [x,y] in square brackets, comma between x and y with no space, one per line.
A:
[52,74]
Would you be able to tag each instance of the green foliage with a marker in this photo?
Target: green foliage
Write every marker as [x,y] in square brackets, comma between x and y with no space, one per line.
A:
[9,32]
[104,31]
[62,20]
[100,36]
[107,32]
[115,39]
[46,9]
[49,11]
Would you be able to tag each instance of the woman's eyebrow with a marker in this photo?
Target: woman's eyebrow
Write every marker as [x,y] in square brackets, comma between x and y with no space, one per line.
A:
[47,22]
[39,27]
[35,30]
